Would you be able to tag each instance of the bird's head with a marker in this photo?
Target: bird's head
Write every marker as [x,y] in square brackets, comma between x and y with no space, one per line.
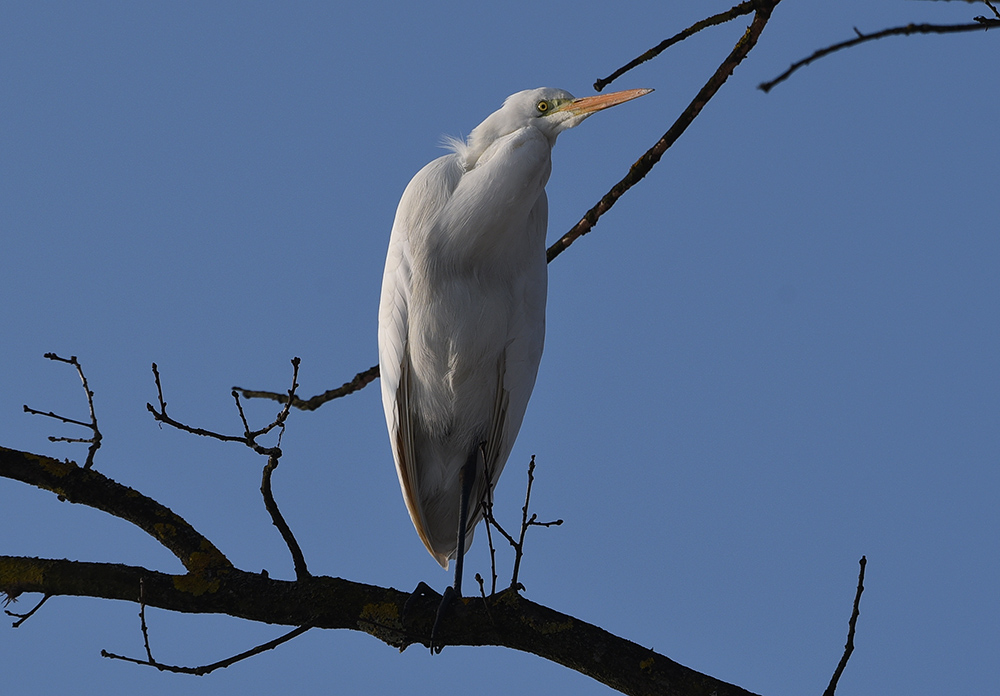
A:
[548,109]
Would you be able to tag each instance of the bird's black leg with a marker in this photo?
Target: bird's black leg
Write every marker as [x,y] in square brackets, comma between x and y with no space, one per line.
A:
[466,479]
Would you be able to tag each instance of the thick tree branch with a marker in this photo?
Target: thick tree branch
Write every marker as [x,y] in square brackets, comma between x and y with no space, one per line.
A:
[88,487]
[213,585]
[505,619]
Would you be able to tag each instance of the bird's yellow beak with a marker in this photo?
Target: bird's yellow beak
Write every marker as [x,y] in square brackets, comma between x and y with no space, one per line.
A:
[588,105]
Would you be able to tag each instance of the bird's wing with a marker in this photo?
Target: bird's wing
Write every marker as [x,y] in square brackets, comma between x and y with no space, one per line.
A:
[422,201]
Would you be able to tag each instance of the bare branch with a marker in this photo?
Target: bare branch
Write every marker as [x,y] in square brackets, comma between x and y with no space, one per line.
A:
[204,669]
[653,155]
[743,8]
[981,24]
[93,489]
[324,602]
[96,437]
[21,618]
[518,544]
[162,417]
[360,381]
[525,523]
[249,438]
[301,571]
[849,648]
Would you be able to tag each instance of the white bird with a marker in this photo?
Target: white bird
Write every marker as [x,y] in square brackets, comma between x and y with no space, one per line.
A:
[462,312]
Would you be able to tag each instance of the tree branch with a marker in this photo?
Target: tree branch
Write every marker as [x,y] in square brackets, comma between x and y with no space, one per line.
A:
[505,619]
[360,381]
[981,24]
[88,487]
[743,8]
[653,155]
[95,439]
[851,625]
[278,520]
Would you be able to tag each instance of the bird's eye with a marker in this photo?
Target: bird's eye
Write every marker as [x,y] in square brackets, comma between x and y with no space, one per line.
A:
[542,107]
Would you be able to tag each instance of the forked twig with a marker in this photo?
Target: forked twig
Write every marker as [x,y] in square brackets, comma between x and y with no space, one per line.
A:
[95,439]
[516,544]
[851,625]
[527,522]
[150,661]
[21,618]
[249,438]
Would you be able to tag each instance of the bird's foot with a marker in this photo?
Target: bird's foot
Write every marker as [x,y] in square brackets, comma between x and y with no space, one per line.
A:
[423,591]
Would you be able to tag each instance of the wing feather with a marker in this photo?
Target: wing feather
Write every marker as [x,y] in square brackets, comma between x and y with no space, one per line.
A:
[422,201]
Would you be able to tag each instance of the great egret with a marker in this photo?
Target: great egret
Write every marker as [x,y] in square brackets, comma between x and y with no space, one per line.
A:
[462,312]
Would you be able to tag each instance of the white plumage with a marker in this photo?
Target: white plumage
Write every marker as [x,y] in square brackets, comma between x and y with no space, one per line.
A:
[462,312]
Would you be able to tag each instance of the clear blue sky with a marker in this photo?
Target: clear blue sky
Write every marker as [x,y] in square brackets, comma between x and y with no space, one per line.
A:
[778,353]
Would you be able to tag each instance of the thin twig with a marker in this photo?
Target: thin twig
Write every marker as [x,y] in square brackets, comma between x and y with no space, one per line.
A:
[249,437]
[482,593]
[516,544]
[142,620]
[205,669]
[851,625]
[360,381]
[487,506]
[982,23]
[301,571]
[161,416]
[96,437]
[527,522]
[21,618]
[743,8]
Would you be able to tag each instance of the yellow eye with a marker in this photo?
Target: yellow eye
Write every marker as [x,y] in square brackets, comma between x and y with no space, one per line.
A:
[542,107]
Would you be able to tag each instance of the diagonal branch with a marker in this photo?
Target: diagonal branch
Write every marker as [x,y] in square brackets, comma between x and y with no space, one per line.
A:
[21,618]
[743,8]
[91,488]
[221,664]
[851,625]
[653,155]
[278,520]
